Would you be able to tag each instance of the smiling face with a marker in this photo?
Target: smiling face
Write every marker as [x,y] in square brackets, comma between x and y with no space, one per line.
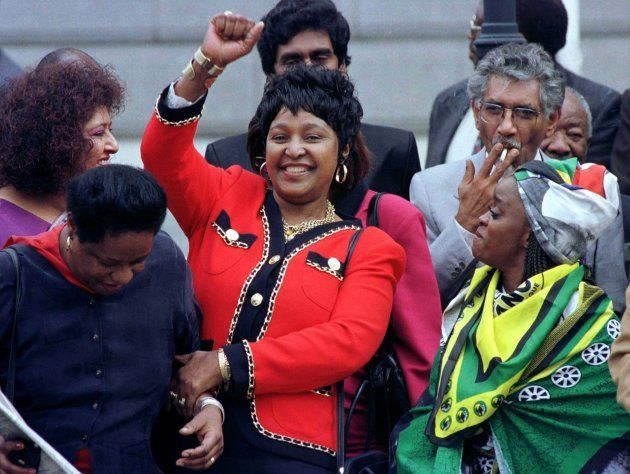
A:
[501,238]
[571,138]
[301,155]
[107,266]
[511,93]
[99,130]
[311,47]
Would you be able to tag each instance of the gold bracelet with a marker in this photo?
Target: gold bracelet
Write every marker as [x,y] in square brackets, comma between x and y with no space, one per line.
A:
[224,367]
[212,70]
[206,63]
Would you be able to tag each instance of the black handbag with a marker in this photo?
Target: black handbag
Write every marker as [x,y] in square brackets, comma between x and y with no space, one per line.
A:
[341,435]
[386,392]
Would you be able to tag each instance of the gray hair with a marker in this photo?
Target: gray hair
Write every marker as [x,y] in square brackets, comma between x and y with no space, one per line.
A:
[589,117]
[520,62]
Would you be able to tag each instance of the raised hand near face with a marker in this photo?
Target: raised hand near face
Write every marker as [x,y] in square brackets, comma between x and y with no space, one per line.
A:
[230,37]
[476,190]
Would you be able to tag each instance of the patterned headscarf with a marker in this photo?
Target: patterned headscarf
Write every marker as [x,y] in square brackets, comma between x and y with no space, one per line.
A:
[564,218]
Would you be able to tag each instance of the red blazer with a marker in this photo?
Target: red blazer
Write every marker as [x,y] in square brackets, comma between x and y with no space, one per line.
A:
[292,323]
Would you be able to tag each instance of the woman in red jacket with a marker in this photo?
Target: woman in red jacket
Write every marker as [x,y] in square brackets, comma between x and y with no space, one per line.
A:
[290,314]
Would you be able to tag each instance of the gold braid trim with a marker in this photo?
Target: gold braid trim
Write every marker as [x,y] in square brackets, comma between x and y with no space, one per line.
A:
[283,270]
[250,370]
[321,391]
[236,243]
[330,271]
[286,439]
[179,123]
[251,276]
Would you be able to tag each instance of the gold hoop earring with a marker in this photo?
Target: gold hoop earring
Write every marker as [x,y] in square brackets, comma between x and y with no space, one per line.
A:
[68,243]
[341,174]
[261,168]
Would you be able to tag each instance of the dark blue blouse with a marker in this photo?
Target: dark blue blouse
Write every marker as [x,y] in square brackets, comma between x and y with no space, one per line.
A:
[93,372]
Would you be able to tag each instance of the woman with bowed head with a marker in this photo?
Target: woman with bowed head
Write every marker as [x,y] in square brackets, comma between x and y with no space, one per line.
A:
[294,299]
[55,124]
[106,302]
[522,383]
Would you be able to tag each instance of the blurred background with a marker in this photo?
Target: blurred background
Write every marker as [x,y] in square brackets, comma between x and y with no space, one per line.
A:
[404,52]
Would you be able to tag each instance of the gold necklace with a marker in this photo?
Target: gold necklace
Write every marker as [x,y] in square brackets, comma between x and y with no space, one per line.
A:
[291,231]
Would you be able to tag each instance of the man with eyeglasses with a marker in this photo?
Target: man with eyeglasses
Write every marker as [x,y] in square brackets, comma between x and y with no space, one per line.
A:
[452,135]
[516,95]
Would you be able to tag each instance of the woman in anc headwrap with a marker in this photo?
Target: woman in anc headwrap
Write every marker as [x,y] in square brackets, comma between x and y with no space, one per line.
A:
[522,382]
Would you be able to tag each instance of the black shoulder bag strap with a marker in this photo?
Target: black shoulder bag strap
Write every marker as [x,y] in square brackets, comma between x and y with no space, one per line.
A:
[341,436]
[10,389]
[372,214]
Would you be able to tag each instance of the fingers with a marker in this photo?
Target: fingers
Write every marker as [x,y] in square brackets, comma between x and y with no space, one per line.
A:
[469,173]
[253,35]
[180,400]
[7,466]
[230,26]
[186,399]
[241,27]
[491,160]
[204,455]
[184,407]
[218,21]
[190,428]
[503,166]
[190,406]
[204,462]
[184,358]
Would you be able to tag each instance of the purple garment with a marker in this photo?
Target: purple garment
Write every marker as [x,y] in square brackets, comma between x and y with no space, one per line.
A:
[16,221]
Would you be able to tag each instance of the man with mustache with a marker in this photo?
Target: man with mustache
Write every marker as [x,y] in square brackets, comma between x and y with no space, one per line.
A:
[516,94]
[452,135]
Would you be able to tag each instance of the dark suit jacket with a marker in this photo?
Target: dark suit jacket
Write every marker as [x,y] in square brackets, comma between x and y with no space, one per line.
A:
[451,105]
[620,159]
[448,110]
[394,159]
[7,67]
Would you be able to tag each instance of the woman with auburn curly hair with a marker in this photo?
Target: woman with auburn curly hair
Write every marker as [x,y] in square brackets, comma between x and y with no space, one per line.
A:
[56,124]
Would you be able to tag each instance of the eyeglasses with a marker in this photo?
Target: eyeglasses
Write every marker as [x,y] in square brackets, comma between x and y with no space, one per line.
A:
[522,117]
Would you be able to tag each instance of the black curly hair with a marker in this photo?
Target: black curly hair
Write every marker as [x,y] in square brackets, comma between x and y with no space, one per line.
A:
[290,17]
[327,94]
[42,146]
[115,199]
[544,22]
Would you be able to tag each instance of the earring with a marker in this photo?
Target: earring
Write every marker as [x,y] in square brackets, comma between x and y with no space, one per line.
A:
[341,174]
[68,243]
[261,168]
